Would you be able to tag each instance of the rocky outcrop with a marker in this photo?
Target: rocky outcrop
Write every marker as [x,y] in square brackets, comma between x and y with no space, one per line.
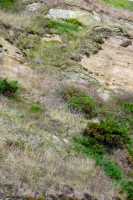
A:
[113,65]
[12,62]
[85,17]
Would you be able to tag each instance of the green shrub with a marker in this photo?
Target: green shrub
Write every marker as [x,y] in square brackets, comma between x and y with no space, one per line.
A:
[104,136]
[8,88]
[108,133]
[79,101]
[35,107]
[83,104]
[72,91]
[128,106]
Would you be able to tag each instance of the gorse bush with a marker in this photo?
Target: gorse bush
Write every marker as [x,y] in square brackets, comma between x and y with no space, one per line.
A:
[107,133]
[8,88]
[79,101]
[102,137]
[72,92]
[83,104]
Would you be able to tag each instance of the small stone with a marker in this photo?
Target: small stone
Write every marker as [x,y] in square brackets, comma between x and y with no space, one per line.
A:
[33,6]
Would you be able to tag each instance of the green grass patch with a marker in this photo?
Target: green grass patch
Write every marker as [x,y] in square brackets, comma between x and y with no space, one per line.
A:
[127,186]
[110,168]
[36,107]
[126,4]
[7,4]
[98,140]
[70,26]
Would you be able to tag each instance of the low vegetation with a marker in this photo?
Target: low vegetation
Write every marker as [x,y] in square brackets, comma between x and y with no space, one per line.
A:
[7,4]
[60,131]
[35,107]
[8,88]
[79,101]
[126,4]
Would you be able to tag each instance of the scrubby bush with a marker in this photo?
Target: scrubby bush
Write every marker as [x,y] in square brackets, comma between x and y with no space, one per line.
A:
[107,133]
[72,92]
[79,101]
[104,136]
[128,106]
[8,88]
[81,104]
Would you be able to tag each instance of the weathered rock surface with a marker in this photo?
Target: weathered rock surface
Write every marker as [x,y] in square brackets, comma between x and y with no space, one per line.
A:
[11,60]
[85,17]
[112,66]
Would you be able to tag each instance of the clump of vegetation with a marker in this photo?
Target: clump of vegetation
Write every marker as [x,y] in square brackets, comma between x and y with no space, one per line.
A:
[72,92]
[79,101]
[126,4]
[102,137]
[6,4]
[36,107]
[110,168]
[126,43]
[108,133]
[128,106]
[74,22]
[70,26]
[8,88]
[127,186]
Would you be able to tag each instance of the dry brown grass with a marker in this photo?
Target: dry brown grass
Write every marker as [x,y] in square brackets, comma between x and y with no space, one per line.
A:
[32,160]
[33,154]
[16,19]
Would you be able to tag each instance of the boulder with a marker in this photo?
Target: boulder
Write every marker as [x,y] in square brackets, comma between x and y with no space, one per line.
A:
[86,18]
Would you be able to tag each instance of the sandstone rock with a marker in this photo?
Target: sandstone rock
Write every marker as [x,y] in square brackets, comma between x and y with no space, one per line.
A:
[112,66]
[85,17]
[11,61]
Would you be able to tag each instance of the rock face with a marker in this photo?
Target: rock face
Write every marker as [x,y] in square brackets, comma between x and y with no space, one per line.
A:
[112,66]
[11,61]
[85,17]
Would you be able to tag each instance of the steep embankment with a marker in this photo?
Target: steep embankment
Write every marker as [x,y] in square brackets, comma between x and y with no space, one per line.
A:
[68,58]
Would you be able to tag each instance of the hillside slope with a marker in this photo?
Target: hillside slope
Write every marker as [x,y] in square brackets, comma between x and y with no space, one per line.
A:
[66,100]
